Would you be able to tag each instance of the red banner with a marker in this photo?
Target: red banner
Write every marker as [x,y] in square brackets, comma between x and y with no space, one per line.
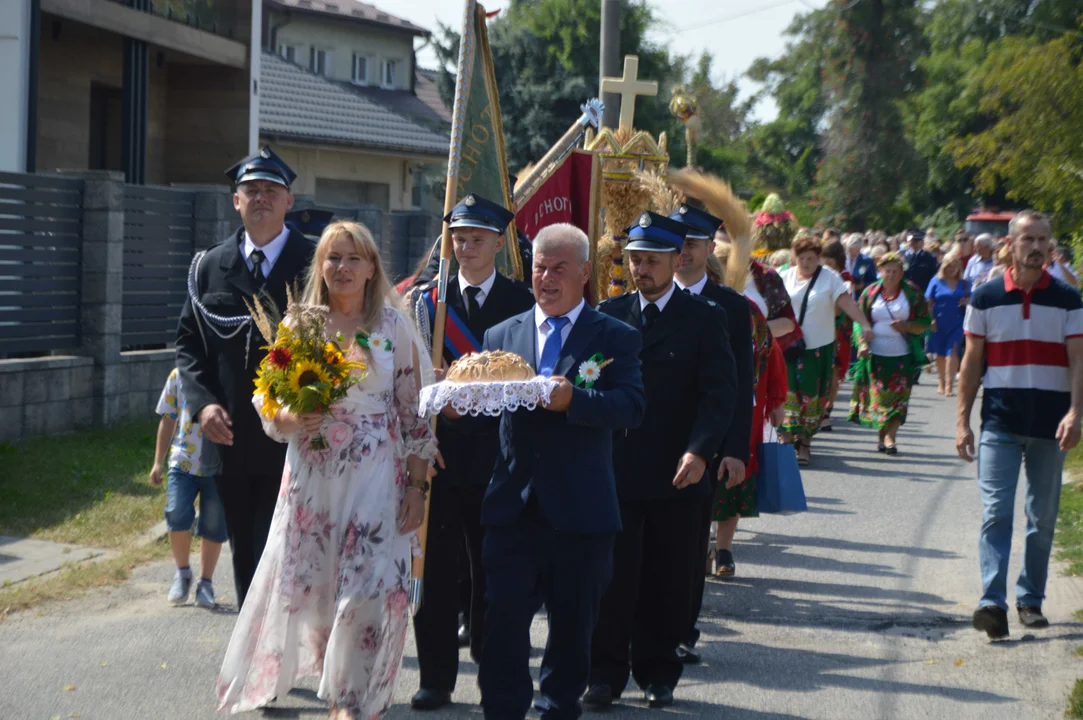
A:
[564,197]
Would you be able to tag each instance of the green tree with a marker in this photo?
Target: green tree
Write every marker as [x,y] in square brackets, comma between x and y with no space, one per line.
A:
[1033,93]
[869,70]
[783,154]
[545,53]
[959,35]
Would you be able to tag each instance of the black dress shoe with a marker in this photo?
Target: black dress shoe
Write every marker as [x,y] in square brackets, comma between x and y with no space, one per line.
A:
[658,696]
[1032,617]
[687,655]
[430,699]
[464,636]
[598,697]
[993,621]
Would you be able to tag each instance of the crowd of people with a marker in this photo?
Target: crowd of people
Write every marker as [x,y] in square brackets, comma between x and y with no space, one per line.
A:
[598,504]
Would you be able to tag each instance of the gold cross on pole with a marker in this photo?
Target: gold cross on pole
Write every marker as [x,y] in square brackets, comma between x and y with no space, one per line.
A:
[628,87]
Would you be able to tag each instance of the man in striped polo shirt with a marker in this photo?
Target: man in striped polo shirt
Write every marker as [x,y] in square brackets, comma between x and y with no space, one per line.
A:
[1028,328]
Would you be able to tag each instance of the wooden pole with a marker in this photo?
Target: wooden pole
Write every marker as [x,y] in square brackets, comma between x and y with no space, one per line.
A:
[462,92]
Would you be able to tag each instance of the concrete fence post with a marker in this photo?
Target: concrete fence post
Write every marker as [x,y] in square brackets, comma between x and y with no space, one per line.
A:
[102,300]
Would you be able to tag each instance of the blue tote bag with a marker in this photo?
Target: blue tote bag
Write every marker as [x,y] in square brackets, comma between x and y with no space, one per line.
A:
[778,482]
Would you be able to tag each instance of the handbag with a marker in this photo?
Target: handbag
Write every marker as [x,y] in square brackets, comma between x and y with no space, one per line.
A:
[793,352]
[779,489]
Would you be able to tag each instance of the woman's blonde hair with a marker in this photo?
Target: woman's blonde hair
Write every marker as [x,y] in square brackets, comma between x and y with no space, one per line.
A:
[953,256]
[378,291]
[716,271]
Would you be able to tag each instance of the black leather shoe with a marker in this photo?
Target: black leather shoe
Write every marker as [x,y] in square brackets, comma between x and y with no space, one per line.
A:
[658,696]
[1032,617]
[993,621]
[429,699]
[687,655]
[598,697]
[464,636]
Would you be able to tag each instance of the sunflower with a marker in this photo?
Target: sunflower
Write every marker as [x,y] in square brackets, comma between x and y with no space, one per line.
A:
[270,407]
[307,373]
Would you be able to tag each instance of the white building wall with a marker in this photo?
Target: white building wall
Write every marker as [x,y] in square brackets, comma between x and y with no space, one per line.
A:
[14,83]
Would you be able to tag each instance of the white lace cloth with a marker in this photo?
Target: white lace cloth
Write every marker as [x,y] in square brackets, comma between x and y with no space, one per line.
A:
[486,398]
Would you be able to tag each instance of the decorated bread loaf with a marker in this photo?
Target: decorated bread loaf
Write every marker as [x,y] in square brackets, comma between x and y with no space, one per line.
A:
[490,366]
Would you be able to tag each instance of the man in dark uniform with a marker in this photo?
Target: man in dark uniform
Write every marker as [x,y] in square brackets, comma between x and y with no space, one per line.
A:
[921,265]
[733,456]
[218,349]
[477,299]
[689,378]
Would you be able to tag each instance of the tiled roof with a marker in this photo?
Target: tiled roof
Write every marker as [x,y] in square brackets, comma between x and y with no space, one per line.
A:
[353,10]
[429,93]
[296,103]
[414,106]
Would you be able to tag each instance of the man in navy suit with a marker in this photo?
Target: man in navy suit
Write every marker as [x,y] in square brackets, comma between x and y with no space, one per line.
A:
[861,267]
[551,511]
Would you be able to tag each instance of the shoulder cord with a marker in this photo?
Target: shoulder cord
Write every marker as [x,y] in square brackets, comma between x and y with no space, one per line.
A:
[238,322]
[421,319]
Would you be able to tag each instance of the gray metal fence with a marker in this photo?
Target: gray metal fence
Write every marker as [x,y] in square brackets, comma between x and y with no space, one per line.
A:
[159,241]
[52,234]
[40,263]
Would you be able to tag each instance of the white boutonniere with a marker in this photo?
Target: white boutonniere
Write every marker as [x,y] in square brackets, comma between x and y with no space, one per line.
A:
[590,370]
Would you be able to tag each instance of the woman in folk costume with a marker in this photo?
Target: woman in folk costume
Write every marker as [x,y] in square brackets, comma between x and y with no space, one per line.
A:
[330,595]
[889,363]
[732,267]
[733,502]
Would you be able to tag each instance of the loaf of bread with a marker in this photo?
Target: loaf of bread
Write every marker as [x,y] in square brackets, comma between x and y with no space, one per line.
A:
[490,366]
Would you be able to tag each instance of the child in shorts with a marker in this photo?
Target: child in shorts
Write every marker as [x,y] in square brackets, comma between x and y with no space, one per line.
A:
[192,467]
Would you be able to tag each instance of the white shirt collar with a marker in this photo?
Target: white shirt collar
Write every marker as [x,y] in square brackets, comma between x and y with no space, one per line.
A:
[271,250]
[696,289]
[660,302]
[486,287]
[540,318]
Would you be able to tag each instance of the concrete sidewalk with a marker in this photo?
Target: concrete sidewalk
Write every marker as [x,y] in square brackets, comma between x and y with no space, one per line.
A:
[23,558]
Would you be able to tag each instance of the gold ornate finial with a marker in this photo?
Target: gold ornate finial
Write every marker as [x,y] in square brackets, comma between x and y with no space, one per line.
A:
[683,105]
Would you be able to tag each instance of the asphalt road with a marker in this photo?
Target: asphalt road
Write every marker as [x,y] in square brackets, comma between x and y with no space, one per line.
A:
[858,608]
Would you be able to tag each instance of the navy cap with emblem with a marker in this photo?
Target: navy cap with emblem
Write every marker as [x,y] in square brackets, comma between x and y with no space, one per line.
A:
[264,165]
[701,224]
[310,221]
[477,212]
[656,233]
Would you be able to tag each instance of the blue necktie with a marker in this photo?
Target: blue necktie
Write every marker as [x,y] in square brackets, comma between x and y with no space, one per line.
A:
[551,350]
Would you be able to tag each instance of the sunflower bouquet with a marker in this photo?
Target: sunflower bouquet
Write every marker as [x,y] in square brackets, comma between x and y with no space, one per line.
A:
[302,371]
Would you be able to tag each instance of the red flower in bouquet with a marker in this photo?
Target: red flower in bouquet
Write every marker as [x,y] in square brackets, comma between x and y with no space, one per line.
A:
[280,357]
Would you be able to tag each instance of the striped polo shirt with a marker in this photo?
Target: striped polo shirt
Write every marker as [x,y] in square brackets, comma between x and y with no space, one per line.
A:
[1027,388]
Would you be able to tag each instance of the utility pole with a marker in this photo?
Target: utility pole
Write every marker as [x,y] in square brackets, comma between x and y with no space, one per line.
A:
[609,60]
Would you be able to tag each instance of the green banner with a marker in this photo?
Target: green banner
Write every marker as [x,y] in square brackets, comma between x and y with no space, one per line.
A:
[482,166]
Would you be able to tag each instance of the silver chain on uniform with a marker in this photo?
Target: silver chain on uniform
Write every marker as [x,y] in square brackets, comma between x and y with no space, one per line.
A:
[237,322]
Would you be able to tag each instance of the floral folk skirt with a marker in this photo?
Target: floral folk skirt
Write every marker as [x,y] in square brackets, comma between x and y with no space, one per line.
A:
[883,394]
[810,390]
[737,501]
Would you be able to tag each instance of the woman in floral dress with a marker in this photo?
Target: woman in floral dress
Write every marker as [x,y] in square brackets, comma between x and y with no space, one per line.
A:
[330,595]
[811,371]
[888,364]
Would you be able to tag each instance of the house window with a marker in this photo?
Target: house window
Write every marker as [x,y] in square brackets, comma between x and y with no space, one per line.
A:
[289,52]
[387,74]
[360,70]
[317,61]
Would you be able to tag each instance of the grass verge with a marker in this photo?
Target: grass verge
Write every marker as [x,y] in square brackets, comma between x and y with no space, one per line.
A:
[1075,701]
[1069,539]
[87,488]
